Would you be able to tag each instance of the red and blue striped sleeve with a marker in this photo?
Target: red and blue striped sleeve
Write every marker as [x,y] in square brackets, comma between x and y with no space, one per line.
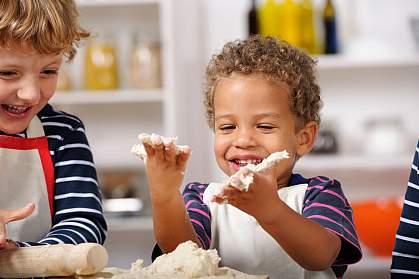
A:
[325,203]
[198,212]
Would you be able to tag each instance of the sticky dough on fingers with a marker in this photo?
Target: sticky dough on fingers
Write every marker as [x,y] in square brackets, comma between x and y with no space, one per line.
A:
[154,140]
[244,177]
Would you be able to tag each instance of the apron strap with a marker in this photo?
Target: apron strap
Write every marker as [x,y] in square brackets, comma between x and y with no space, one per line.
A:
[35,129]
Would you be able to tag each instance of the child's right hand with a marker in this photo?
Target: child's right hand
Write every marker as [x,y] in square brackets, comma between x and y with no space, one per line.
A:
[165,170]
[7,216]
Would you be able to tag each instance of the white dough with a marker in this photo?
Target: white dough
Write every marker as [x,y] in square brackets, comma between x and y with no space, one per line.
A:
[244,177]
[154,140]
[187,261]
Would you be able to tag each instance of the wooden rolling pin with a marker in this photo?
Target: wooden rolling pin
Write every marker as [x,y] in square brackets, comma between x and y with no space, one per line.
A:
[53,260]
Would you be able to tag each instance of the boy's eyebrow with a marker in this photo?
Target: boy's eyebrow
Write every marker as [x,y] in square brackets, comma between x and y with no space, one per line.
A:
[227,115]
[55,61]
[269,114]
[260,115]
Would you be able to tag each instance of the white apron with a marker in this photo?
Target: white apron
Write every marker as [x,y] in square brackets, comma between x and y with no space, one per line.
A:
[27,175]
[244,245]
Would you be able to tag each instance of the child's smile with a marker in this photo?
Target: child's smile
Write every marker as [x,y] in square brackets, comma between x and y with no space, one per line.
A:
[16,111]
[241,161]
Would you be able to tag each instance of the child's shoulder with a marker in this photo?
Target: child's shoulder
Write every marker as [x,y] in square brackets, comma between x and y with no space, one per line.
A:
[323,181]
[60,126]
[325,188]
[49,115]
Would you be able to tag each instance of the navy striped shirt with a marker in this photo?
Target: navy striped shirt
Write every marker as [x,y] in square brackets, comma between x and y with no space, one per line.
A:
[324,203]
[77,216]
[405,262]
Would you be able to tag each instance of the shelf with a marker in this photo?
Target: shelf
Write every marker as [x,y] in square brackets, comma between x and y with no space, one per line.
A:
[107,97]
[354,162]
[101,3]
[332,62]
[134,223]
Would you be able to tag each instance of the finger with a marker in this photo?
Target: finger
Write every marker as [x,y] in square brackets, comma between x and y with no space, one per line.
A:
[231,191]
[183,157]
[2,234]
[149,150]
[219,199]
[170,152]
[159,151]
[19,214]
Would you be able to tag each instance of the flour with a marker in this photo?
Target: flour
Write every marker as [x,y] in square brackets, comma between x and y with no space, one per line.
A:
[187,261]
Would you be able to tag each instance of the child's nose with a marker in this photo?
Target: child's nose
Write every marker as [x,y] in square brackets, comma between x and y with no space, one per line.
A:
[244,139]
[30,91]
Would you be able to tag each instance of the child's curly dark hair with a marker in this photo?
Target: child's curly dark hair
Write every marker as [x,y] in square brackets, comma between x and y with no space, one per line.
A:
[274,59]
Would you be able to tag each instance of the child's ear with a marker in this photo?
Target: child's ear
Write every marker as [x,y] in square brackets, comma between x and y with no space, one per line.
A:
[306,138]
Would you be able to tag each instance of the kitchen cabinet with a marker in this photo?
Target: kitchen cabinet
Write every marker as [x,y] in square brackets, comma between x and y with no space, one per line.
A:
[114,118]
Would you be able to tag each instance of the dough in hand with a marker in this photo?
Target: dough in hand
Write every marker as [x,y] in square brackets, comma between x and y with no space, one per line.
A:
[154,140]
[244,177]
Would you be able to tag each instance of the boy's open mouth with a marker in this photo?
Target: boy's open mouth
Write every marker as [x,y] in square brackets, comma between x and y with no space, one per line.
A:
[15,109]
[243,163]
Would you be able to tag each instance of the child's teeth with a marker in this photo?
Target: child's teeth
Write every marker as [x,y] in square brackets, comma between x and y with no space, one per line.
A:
[246,162]
[16,109]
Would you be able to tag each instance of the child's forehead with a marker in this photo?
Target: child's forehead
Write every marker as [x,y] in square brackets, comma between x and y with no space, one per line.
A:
[258,77]
[26,49]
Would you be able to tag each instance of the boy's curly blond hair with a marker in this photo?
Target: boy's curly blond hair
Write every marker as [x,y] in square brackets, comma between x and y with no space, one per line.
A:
[49,26]
[276,60]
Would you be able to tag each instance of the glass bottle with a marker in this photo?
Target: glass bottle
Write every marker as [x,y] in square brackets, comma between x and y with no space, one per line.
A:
[100,65]
[289,15]
[268,18]
[145,64]
[64,81]
[308,37]
[252,19]
[330,30]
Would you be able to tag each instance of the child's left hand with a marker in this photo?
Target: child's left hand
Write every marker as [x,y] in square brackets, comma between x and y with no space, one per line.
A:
[258,200]
[165,169]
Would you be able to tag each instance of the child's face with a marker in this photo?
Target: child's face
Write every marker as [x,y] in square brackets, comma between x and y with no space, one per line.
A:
[27,81]
[253,120]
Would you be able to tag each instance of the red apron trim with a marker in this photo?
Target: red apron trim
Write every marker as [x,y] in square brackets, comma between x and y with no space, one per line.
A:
[40,144]
[48,168]
[22,143]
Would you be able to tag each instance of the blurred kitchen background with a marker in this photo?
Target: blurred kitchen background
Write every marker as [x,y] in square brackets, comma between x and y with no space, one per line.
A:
[142,71]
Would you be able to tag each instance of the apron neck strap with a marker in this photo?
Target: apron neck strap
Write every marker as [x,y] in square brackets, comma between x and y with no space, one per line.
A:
[35,128]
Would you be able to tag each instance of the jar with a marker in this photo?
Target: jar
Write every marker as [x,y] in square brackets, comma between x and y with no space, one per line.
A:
[145,65]
[100,65]
[64,82]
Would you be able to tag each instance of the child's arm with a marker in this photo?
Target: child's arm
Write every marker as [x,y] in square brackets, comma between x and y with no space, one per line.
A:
[406,249]
[165,172]
[310,244]
[78,215]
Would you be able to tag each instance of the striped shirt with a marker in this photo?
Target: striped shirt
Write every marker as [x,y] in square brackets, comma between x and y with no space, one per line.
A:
[405,262]
[77,216]
[324,203]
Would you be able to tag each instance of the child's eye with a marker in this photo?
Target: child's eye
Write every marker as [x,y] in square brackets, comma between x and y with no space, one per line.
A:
[266,127]
[49,72]
[8,74]
[227,127]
